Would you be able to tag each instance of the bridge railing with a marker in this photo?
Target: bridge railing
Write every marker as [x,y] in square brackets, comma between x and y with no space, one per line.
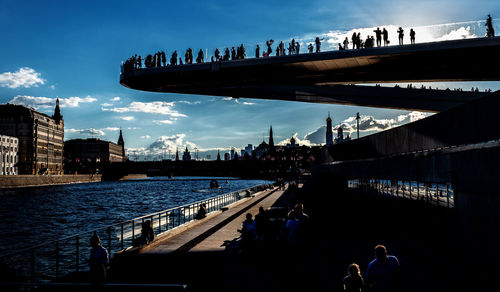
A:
[56,259]
[436,194]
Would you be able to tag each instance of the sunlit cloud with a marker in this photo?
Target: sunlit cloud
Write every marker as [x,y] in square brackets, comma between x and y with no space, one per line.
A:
[50,102]
[87,132]
[117,98]
[164,122]
[24,77]
[146,137]
[189,102]
[154,107]
[128,118]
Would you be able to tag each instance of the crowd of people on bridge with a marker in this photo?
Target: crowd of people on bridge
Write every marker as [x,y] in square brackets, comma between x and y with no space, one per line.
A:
[239,53]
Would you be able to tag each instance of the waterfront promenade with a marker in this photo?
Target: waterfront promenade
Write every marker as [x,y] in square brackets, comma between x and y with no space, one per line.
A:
[345,228]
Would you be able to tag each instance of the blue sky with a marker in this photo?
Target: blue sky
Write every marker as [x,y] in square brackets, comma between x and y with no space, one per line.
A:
[73,49]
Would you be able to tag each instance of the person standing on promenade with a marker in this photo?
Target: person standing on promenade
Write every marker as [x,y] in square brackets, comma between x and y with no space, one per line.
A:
[412,36]
[354,281]
[257,52]
[383,273]
[98,261]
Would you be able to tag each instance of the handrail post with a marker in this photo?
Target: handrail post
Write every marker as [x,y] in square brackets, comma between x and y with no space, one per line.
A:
[57,259]
[77,253]
[159,222]
[32,261]
[109,239]
[121,235]
[447,196]
[133,230]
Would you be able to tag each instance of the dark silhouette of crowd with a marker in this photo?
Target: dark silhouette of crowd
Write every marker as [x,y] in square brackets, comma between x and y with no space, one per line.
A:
[239,53]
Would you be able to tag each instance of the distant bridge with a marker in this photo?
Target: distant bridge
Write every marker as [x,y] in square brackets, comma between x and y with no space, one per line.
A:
[321,77]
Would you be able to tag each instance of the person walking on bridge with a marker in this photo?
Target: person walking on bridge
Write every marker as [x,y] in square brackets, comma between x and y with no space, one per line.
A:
[401,34]
[385,34]
[490,32]
[378,35]
[412,36]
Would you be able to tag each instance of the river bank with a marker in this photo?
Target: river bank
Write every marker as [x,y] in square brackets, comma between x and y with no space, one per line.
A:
[20,181]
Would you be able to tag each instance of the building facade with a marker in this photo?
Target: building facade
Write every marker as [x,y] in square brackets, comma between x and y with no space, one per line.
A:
[40,138]
[8,155]
[89,155]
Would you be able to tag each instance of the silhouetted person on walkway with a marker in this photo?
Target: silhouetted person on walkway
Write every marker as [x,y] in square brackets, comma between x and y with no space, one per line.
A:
[147,234]
[248,229]
[383,273]
[412,36]
[98,261]
[385,34]
[378,35]
[233,54]
[297,48]
[490,32]
[242,52]
[257,52]
[262,225]
[401,34]
[202,212]
[358,41]
[354,282]
[139,62]
[227,55]
[318,44]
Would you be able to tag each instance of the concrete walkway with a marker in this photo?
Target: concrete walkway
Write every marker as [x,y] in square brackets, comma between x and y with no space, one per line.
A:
[210,233]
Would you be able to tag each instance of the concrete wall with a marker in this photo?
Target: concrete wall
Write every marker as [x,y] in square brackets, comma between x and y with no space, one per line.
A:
[15,181]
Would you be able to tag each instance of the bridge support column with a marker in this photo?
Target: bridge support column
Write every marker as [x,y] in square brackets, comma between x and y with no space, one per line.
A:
[478,216]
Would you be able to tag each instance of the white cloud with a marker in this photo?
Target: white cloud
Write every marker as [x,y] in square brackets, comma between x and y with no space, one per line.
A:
[460,33]
[128,118]
[146,137]
[116,98]
[366,124]
[52,87]
[106,104]
[237,100]
[189,102]
[154,107]
[298,141]
[164,122]
[248,103]
[110,129]
[88,132]
[50,102]
[25,77]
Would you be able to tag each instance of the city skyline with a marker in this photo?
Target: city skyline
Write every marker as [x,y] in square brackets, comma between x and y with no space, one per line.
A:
[74,51]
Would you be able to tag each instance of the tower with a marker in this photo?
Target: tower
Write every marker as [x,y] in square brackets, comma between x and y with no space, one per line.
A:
[57,113]
[177,154]
[218,155]
[121,143]
[271,140]
[340,134]
[329,133]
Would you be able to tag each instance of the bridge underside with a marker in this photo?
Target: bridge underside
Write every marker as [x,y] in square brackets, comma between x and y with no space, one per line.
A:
[319,77]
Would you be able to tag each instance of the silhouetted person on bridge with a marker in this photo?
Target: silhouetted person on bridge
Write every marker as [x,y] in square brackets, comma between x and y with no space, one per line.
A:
[490,32]
[233,54]
[98,261]
[318,44]
[173,59]
[401,34]
[217,55]
[412,36]
[385,35]
[200,57]
[310,48]
[227,55]
[202,212]
[346,43]
[268,44]
[383,273]
[147,234]
[297,48]
[378,35]
[163,58]
[354,40]
[139,62]
[257,52]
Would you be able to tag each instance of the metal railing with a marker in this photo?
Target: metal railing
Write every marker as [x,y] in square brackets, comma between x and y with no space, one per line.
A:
[437,194]
[55,259]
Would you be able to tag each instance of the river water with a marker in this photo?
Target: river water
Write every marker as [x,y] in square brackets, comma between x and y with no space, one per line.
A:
[31,216]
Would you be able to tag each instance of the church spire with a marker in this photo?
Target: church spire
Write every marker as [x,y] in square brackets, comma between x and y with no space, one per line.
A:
[57,112]
[121,142]
[271,140]
[218,155]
